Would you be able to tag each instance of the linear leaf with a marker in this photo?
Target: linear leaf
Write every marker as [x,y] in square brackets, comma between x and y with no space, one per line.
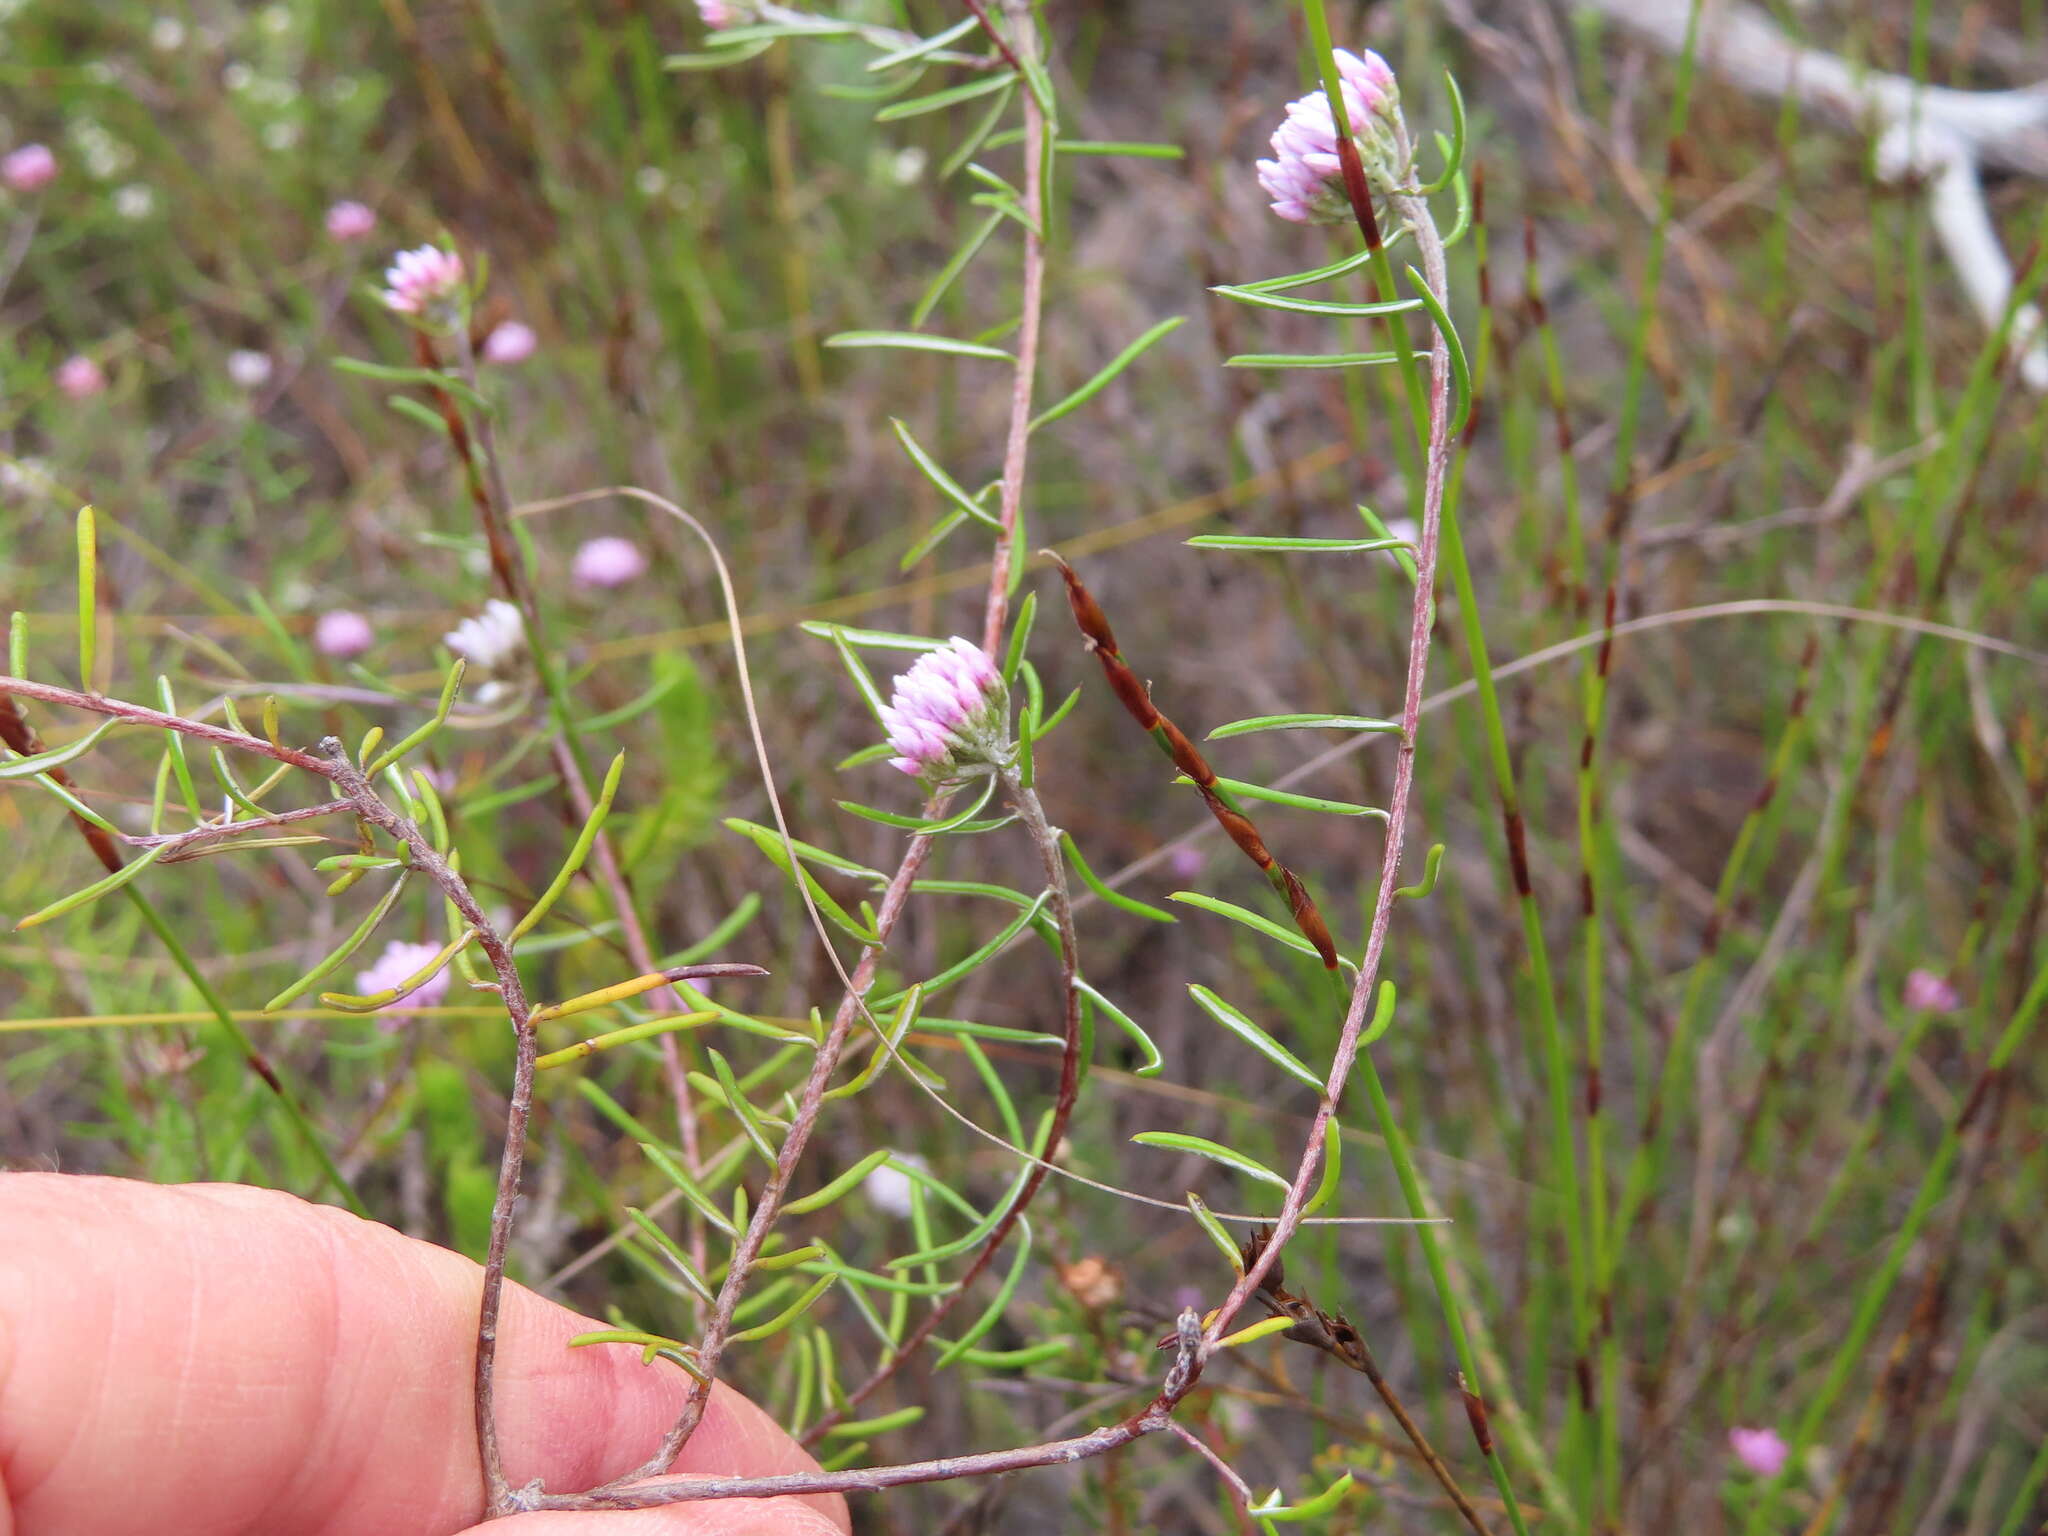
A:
[1287,797]
[1214,1151]
[917,341]
[939,101]
[1129,1025]
[935,472]
[1267,541]
[1241,1026]
[1269,300]
[1309,359]
[56,757]
[1303,723]
[1109,371]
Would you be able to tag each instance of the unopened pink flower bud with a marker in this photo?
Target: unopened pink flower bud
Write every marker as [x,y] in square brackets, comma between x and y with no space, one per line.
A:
[1762,1451]
[341,633]
[608,562]
[512,342]
[1926,992]
[28,168]
[720,14]
[350,220]
[80,377]
[948,711]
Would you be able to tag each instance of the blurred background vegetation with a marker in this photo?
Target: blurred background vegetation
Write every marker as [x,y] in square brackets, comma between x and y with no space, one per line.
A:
[682,242]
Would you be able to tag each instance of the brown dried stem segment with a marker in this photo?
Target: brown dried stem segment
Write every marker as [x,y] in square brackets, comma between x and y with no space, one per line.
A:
[1100,640]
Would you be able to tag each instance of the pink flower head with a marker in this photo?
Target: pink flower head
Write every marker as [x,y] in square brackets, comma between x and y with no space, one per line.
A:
[1929,993]
[1186,862]
[28,168]
[1763,1451]
[608,562]
[399,961]
[80,377]
[512,342]
[350,220]
[718,14]
[947,710]
[341,633]
[423,282]
[1305,177]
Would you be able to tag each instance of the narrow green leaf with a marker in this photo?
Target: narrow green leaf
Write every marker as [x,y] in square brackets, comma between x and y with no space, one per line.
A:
[1109,371]
[1335,269]
[933,471]
[1304,723]
[413,411]
[349,1002]
[1252,920]
[691,1190]
[1276,542]
[818,1199]
[578,852]
[1333,1168]
[955,265]
[1213,1230]
[925,45]
[742,1108]
[961,968]
[1136,151]
[1461,370]
[1308,1509]
[952,96]
[881,1424]
[917,341]
[1382,1016]
[918,824]
[1287,797]
[1310,359]
[788,1315]
[88,597]
[1129,1025]
[1266,299]
[101,887]
[425,732]
[1115,898]
[1238,1024]
[1215,1151]
[874,639]
[56,757]
[998,1305]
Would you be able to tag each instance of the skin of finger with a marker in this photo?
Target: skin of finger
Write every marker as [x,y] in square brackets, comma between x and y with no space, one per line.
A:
[200,1359]
[723,1517]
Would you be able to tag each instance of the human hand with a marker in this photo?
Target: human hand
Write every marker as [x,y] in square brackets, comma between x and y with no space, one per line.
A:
[209,1359]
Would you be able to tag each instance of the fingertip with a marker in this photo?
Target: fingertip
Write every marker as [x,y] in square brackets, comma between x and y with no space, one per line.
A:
[710,1517]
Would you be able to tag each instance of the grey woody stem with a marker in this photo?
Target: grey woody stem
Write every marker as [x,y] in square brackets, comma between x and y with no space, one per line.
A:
[1435,475]
[1046,839]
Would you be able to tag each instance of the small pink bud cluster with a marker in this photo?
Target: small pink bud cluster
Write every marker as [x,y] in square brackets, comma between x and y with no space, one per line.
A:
[1929,993]
[608,562]
[720,14]
[1305,178]
[390,969]
[342,633]
[512,342]
[80,378]
[1762,1451]
[29,168]
[947,711]
[350,220]
[426,283]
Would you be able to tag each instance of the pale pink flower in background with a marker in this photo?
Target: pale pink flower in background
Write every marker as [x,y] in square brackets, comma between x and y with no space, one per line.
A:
[717,14]
[249,369]
[1929,993]
[512,342]
[390,969]
[608,562]
[80,377]
[946,710]
[1305,177]
[341,633]
[1763,1451]
[1186,862]
[28,168]
[423,282]
[491,638]
[350,220]
[442,779]
[888,1187]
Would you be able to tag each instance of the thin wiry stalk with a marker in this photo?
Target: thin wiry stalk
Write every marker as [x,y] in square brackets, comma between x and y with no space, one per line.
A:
[1046,839]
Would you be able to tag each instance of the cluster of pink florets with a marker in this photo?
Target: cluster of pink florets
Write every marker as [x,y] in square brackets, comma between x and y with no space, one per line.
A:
[947,712]
[1305,177]
[425,283]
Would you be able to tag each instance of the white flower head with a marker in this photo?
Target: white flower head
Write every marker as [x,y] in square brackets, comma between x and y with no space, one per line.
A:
[490,639]
[888,1187]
